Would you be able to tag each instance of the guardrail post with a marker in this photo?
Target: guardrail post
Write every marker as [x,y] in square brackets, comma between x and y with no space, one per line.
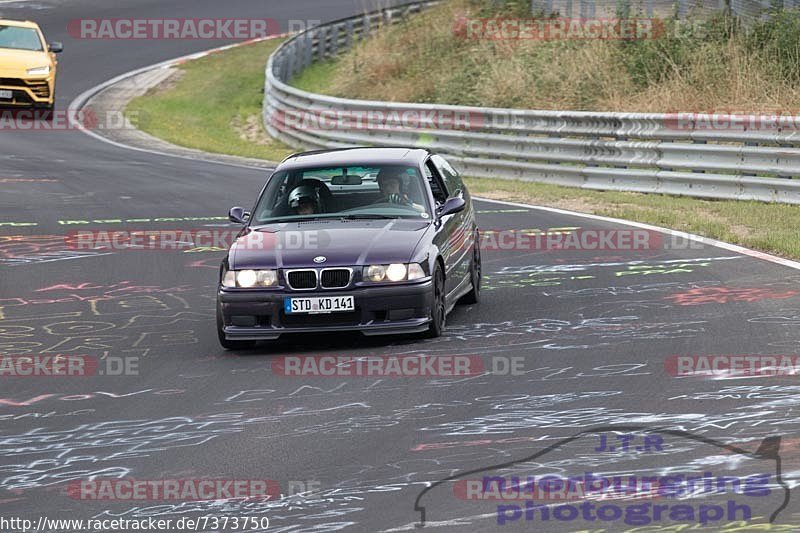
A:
[365,27]
[750,144]
[291,60]
[327,42]
[335,31]
[308,49]
[318,51]
[348,43]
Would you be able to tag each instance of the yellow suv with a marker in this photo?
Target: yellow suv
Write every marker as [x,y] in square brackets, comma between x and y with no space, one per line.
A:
[27,66]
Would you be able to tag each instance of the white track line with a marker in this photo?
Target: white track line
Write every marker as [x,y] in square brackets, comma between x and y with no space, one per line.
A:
[690,236]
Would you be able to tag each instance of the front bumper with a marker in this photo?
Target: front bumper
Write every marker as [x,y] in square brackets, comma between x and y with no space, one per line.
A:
[380,310]
[28,92]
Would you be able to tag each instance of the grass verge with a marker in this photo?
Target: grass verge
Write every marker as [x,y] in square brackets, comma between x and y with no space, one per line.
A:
[214,104]
[773,228]
[701,64]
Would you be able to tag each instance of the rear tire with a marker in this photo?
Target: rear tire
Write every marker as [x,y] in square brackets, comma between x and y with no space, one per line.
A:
[229,344]
[474,295]
[439,306]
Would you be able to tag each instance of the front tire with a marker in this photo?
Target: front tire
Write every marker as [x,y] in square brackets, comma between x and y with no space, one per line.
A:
[229,344]
[439,307]
[45,111]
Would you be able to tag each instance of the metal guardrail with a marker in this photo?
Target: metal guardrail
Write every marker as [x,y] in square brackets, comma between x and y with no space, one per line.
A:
[655,153]
[747,10]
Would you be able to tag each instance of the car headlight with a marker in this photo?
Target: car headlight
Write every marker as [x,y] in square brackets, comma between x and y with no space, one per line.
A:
[375,273]
[415,271]
[394,272]
[229,279]
[267,278]
[39,71]
[248,279]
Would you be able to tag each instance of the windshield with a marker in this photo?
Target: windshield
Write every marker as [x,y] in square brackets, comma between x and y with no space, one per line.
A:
[381,191]
[20,38]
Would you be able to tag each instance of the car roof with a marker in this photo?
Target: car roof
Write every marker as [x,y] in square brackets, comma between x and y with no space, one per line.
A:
[355,157]
[19,23]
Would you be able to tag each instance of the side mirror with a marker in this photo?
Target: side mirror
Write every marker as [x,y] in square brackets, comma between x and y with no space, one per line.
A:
[453,205]
[238,215]
[56,47]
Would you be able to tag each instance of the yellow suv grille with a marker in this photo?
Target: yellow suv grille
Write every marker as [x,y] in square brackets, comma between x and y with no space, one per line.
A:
[38,87]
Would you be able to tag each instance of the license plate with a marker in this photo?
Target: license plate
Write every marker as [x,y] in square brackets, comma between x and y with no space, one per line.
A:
[320,304]
[7,95]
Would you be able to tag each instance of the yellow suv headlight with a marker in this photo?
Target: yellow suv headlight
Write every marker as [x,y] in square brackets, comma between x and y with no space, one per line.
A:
[39,71]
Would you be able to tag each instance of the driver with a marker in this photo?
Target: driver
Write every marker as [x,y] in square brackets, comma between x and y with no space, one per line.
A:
[304,200]
[390,181]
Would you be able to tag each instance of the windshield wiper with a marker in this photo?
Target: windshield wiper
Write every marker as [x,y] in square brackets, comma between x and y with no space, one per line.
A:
[295,219]
[366,216]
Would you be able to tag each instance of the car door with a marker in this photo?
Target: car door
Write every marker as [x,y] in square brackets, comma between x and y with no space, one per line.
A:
[454,235]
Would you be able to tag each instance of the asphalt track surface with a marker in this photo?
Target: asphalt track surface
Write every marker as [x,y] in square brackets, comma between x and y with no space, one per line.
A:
[590,329]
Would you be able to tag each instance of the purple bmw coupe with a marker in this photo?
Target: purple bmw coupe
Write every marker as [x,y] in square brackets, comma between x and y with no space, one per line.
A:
[377,240]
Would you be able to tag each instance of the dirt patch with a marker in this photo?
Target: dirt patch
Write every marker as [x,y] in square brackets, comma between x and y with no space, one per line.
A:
[742,231]
[168,83]
[250,129]
[580,205]
[632,207]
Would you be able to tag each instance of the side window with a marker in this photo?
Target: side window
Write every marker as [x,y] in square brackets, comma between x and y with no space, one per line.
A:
[269,204]
[437,187]
[451,178]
